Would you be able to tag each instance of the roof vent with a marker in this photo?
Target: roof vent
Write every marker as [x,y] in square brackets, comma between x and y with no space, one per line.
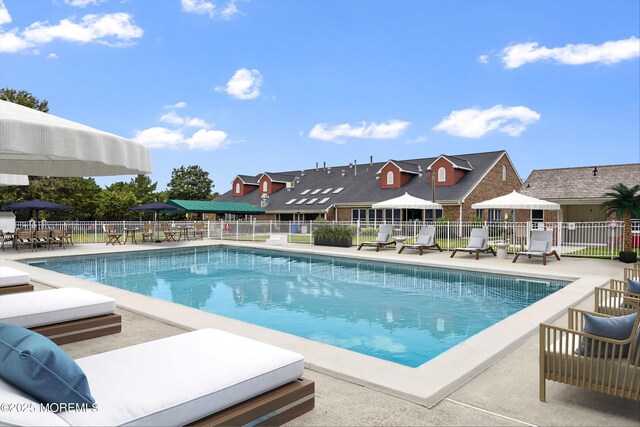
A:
[370,160]
[343,173]
[317,167]
[328,170]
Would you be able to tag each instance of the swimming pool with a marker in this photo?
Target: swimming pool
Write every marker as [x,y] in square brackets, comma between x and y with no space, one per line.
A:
[399,313]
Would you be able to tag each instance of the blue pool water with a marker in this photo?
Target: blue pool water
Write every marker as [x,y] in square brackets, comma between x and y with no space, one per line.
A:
[400,313]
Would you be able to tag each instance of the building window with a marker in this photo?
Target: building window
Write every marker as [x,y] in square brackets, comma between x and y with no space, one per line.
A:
[429,214]
[237,188]
[375,215]
[392,215]
[537,215]
[480,213]
[359,215]
[504,173]
[390,178]
[265,187]
[442,174]
[495,215]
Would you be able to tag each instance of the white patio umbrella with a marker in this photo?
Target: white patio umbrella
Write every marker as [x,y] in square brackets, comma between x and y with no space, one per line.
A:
[8,179]
[406,201]
[37,143]
[515,200]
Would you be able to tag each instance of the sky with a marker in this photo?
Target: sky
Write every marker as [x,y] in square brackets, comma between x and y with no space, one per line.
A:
[245,87]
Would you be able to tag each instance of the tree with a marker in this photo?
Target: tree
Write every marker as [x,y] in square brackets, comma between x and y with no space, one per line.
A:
[190,183]
[114,204]
[624,203]
[24,98]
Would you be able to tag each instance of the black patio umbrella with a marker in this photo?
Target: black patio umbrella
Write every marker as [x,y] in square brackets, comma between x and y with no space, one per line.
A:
[156,207]
[36,205]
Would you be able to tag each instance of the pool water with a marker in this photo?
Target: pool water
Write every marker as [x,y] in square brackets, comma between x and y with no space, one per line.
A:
[404,314]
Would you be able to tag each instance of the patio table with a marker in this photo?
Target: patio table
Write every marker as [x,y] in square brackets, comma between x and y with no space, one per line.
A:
[130,233]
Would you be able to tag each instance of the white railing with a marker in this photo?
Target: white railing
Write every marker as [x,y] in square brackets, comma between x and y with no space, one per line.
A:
[588,239]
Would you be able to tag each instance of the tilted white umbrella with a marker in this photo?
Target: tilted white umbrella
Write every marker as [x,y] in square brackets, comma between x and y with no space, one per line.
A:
[8,179]
[37,143]
[406,201]
[515,200]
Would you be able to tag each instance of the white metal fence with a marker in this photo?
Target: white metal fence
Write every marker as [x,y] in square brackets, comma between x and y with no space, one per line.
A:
[588,239]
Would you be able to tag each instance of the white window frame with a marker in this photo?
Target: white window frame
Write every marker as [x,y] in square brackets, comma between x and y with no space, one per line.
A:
[390,178]
[442,174]
[265,186]
[237,188]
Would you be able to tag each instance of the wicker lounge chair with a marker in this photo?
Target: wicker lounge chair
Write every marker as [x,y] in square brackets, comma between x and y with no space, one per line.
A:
[540,245]
[14,281]
[383,239]
[426,239]
[478,242]
[63,315]
[206,377]
[602,365]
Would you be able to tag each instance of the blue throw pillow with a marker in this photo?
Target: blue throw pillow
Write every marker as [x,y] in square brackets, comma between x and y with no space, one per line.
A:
[617,328]
[633,286]
[38,367]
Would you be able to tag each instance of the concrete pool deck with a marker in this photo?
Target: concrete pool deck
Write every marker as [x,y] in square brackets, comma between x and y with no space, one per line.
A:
[512,395]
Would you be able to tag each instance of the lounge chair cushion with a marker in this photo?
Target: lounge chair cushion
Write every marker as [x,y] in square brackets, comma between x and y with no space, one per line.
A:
[538,246]
[425,240]
[618,328]
[633,286]
[40,368]
[476,242]
[12,277]
[32,309]
[382,237]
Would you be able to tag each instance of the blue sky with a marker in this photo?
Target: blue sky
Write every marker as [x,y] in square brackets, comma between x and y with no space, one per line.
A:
[243,87]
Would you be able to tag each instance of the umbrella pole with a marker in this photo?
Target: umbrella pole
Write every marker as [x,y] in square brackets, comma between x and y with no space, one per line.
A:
[157,214]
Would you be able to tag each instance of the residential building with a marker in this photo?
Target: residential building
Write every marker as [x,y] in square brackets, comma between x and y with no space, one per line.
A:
[346,193]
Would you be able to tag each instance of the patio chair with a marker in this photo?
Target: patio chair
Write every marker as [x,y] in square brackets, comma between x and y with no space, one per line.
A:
[424,240]
[13,281]
[618,299]
[594,362]
[478,242]
[24,238]
[68,235]
[57,238]
[147,232]
[540,245]
[63,315]
[5,237]
[205,377]
[198,230]
[169,234]
[113,236]
[42,237]
[383,239]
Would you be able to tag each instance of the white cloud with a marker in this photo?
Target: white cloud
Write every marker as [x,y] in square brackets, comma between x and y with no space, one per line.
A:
[83,3]
[159,137]
[244,84]
[483,59]
[52,56]
[388,130]
[180,104]
[5,17]
[204,7]
[610,52]
[111,29]
[475,123]
[207,139]
[173,118]
[419,139]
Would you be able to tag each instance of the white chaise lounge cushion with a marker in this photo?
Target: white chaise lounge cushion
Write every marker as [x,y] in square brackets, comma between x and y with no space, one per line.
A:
[32,309]
[12,277]
[177,380]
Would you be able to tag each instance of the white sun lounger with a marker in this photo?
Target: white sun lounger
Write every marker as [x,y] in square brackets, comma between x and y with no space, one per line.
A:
[478,242]
[12,281]
[383,238]
[209,376]
[63,315]
[540,245]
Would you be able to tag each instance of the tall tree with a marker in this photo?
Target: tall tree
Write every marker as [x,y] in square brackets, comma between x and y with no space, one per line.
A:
[189,183]
[114,204]
[24,98]
[624,203]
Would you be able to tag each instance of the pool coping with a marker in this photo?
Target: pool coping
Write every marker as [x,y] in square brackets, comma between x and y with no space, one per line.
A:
[426,385]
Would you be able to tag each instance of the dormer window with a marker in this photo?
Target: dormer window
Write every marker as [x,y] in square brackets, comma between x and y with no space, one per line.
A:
[237,188]
[390,178]
[265,186]
[442,174]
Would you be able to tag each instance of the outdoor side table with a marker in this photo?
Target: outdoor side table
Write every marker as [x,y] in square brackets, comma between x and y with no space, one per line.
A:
[130,233]
[502,249]
[400,240]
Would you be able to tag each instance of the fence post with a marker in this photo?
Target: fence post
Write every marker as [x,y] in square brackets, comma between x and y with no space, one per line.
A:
[358,232]
[311,232]
[560,238]
[253,231]
[448,235]
[270,227]
[208,229]
[95,231]
[221,229]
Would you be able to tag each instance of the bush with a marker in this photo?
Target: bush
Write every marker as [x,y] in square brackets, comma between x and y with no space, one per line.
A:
[333,235]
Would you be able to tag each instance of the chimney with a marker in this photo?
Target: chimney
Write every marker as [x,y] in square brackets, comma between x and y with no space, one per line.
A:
[370,160]
[317,167]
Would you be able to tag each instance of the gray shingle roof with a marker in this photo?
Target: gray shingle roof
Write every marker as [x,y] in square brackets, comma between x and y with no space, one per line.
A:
[248,179]
[364,188]
[579,183]
[281,176]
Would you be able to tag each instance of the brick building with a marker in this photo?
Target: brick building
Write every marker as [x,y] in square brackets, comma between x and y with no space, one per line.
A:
[346,193]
